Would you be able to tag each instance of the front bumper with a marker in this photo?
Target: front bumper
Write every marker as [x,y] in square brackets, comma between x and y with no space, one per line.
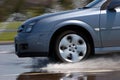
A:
[27,45]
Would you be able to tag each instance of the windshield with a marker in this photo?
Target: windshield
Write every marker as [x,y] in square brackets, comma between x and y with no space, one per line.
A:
[96,3]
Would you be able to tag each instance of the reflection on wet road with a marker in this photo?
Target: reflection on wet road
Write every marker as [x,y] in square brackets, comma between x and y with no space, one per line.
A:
[69,76]
[98,67]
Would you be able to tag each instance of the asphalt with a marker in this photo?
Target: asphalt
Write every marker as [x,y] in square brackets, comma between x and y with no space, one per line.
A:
[98,67]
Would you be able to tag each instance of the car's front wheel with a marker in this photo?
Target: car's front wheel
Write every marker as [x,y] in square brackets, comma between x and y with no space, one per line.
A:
[72,46]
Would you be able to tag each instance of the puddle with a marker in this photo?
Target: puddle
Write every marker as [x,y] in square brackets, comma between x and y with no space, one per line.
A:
[69,76]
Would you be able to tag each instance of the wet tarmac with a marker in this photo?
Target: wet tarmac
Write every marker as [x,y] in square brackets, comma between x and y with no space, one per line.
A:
[98,67]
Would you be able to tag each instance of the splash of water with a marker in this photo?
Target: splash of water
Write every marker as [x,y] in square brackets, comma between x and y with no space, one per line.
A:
[97,63]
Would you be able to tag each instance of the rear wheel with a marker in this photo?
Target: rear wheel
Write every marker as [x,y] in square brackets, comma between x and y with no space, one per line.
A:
[71,46]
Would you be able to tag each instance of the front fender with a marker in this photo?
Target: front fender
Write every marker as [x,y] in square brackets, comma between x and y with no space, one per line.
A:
[95,35]
[77,23]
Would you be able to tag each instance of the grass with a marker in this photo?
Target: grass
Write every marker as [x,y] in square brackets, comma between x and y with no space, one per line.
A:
[14,25]
[8,36]
[10,25]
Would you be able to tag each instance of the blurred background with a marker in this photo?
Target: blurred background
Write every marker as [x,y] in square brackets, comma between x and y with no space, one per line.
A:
[14,12]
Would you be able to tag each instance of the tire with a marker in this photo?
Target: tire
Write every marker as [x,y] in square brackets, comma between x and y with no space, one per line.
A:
[71,46]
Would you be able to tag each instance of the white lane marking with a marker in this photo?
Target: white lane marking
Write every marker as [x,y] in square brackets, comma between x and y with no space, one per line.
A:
[10,75]
[5,52]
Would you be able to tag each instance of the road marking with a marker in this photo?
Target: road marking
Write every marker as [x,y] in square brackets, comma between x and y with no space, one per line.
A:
[10,75]
[3,52]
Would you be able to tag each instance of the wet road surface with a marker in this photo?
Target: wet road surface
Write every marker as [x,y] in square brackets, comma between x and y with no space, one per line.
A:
[98,67]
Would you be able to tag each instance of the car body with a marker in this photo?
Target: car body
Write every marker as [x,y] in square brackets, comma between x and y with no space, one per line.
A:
[71,36]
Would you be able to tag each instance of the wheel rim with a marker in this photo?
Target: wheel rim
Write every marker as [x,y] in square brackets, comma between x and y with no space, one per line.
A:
[72,48]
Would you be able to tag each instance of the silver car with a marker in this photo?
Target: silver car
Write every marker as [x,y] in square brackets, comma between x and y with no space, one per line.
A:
[73,35]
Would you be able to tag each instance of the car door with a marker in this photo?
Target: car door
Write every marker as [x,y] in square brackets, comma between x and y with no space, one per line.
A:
[110,27]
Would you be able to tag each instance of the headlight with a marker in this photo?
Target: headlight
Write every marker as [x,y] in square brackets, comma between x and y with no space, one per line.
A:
[20,29]
[30,26]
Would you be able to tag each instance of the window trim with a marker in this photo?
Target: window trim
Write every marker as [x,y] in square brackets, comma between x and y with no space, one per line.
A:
[104,6]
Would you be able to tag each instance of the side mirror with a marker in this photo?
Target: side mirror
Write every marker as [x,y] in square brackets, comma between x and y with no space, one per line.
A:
[113,4]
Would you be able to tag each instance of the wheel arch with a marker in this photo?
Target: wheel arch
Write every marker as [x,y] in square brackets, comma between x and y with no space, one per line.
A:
[73,25]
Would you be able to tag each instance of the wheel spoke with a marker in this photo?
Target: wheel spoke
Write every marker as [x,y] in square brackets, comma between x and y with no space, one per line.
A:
[65,53]
[75,57]
[82,48]
[75,39]
[64,42]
